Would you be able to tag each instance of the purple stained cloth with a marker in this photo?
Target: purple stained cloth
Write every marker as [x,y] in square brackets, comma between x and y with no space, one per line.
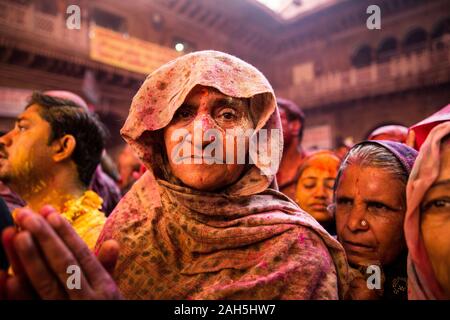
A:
[107,189]
[406,155]
[12,200]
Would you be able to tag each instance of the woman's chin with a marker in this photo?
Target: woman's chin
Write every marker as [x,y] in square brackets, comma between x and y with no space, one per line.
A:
[207,177]
[202,186]
[205,183]
[322,217]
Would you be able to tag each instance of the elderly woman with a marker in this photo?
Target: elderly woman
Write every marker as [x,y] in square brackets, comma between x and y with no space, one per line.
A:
[370,200]
[427,222]
[204,222]
[315,186]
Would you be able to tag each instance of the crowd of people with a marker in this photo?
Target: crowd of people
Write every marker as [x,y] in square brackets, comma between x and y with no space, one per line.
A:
[183,217]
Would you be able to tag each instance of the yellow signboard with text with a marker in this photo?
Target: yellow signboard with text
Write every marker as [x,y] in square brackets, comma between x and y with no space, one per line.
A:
[128,53]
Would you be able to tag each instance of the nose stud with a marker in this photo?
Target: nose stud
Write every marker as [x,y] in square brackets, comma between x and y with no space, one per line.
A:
[363,223]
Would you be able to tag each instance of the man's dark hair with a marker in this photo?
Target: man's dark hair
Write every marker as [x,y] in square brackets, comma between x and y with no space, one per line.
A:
[293,112]
[67,117]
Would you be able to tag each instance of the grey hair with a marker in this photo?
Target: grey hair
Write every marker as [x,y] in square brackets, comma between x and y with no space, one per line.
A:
[375,156]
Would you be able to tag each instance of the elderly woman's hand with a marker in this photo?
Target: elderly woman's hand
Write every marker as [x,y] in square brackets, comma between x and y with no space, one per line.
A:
[50,261]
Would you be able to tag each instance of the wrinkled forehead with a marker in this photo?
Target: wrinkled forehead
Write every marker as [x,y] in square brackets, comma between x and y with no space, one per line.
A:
[206,93]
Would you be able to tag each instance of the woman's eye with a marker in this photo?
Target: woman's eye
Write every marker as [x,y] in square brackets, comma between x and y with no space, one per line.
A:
[344,205]
[228,114]
[438,204]
[308,182]
[344,202]
[183,113]
[441,203]
[329,185]
[377,206]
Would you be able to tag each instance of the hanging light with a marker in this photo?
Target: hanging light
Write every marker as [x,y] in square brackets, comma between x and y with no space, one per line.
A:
[179,47]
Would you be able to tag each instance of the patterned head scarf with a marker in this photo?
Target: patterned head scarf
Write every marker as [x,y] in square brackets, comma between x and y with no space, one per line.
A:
[406,155]
[245,242]
[422,283]
[165,90]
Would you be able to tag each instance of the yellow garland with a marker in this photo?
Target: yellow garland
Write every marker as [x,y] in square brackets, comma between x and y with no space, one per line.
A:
[85,217]
[87,203]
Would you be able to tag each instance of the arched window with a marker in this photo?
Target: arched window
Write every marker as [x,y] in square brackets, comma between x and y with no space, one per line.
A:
[415,40]
[362,56]
[387,49]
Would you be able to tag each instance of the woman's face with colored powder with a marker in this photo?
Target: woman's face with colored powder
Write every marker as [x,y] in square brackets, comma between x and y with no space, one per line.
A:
[435,223]
[201,150]
[315,188]
[370,209]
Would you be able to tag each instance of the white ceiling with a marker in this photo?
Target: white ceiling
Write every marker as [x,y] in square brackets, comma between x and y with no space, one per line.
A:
[290,9]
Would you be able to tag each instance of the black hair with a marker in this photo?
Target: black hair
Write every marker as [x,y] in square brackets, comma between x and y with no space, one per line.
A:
[68,118]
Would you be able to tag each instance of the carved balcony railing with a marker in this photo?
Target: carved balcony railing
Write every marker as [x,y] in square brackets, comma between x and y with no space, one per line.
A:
[403,72]
[25,24]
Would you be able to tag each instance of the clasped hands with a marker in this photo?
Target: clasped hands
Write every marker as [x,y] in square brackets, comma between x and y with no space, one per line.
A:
[40,251]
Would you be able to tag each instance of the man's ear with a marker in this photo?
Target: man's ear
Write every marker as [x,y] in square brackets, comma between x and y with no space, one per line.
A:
[64,148]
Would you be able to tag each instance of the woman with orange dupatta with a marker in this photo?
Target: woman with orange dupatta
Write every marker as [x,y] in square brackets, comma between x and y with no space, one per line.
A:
[315,184]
